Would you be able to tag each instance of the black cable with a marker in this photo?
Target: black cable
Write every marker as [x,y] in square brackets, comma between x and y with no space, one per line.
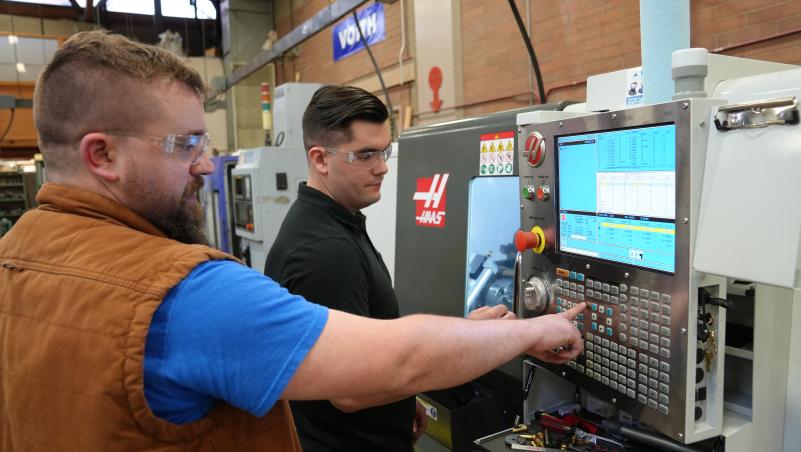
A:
[378,72]
[8,127]
[530,48]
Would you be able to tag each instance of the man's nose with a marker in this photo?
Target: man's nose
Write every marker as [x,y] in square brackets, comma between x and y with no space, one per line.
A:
[204,166]
[381,167]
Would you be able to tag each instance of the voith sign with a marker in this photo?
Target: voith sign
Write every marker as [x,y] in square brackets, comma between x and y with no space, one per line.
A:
[345,35]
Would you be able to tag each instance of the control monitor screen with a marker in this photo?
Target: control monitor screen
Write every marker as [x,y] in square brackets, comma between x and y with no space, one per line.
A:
[617,196]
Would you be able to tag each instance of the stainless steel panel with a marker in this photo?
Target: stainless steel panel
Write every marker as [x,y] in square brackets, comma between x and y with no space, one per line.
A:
[657,347]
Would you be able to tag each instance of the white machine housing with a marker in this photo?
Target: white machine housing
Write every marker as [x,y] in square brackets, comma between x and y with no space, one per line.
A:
[265,183]
[744,224]
[607,91]
[289,103]
[265,179]
[381,215]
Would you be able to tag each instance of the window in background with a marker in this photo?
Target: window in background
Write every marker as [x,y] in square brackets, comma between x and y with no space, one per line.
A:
[172,8]
[47,2]
[23,57]
[182,8]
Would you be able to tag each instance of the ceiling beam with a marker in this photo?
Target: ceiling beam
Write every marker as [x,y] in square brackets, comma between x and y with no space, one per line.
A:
[324,18]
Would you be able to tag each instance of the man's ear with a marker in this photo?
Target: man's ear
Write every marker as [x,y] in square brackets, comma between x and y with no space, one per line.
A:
[100,156]
[318,159]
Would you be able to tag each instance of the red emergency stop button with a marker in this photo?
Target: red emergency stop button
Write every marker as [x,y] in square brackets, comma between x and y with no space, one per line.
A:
[534,152]
[526,241]
[533,240]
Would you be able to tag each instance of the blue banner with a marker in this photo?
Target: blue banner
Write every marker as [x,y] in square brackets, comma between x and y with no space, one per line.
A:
[345,35]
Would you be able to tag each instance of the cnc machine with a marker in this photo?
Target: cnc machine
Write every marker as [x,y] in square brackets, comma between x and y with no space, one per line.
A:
[690,276]
[265,180]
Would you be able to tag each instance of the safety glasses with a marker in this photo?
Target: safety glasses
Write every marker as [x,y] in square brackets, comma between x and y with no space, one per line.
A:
[190,148]
[365,158]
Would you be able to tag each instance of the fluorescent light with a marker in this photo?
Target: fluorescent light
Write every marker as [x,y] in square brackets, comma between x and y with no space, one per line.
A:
[21,68]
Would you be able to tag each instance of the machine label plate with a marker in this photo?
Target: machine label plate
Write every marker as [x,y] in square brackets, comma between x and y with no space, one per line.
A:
[430,201]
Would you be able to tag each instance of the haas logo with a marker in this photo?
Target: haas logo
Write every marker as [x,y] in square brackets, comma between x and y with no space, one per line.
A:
[430,201]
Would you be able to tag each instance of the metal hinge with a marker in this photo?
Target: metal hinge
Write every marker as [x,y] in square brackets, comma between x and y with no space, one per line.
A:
[751,115]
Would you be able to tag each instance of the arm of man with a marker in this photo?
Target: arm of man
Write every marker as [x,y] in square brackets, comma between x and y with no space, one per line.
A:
[357,357]
[499,311]
[253,343]
[350,405]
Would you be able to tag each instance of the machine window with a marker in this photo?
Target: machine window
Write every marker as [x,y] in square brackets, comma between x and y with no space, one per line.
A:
[493,216]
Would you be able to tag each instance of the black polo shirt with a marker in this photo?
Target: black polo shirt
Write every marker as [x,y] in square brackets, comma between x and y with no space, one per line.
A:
[323,253]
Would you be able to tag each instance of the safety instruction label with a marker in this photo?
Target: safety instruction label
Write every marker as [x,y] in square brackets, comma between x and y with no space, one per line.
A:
[634,86]
[497,156]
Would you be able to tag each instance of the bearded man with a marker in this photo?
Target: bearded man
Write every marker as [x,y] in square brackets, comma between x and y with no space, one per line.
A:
[120,330]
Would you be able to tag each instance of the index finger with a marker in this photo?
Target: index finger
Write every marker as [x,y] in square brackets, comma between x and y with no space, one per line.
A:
[571,313]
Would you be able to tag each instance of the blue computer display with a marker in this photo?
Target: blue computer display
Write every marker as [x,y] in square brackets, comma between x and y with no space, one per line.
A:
[617,196]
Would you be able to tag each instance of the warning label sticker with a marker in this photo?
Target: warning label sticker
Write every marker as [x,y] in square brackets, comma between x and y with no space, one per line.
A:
[497,154]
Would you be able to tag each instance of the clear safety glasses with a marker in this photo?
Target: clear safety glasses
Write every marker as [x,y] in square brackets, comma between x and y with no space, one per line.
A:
[190,148]
[366,158]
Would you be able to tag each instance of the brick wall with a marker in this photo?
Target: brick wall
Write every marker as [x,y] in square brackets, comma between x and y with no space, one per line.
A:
[315,62]
[573,39]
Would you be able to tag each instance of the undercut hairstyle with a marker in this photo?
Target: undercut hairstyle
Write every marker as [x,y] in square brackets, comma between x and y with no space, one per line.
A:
[98,81]
[332,110]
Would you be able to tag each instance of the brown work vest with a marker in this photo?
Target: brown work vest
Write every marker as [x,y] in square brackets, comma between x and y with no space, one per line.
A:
[80,279]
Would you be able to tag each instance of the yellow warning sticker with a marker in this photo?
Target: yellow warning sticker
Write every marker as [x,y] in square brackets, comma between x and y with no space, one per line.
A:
[497,154]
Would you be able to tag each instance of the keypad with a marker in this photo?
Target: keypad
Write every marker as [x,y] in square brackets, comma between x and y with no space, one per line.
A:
[627,337]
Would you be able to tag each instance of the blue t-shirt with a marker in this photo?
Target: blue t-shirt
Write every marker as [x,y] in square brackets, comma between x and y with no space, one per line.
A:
[226,333]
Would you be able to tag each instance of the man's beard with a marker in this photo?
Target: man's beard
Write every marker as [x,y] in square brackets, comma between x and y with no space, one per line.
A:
[180,220]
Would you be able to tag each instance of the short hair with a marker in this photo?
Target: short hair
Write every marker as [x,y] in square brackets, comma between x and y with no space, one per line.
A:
[96,82]
[333,109]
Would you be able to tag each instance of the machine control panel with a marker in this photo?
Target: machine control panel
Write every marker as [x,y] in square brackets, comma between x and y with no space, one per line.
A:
[627,344]
[610,224]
